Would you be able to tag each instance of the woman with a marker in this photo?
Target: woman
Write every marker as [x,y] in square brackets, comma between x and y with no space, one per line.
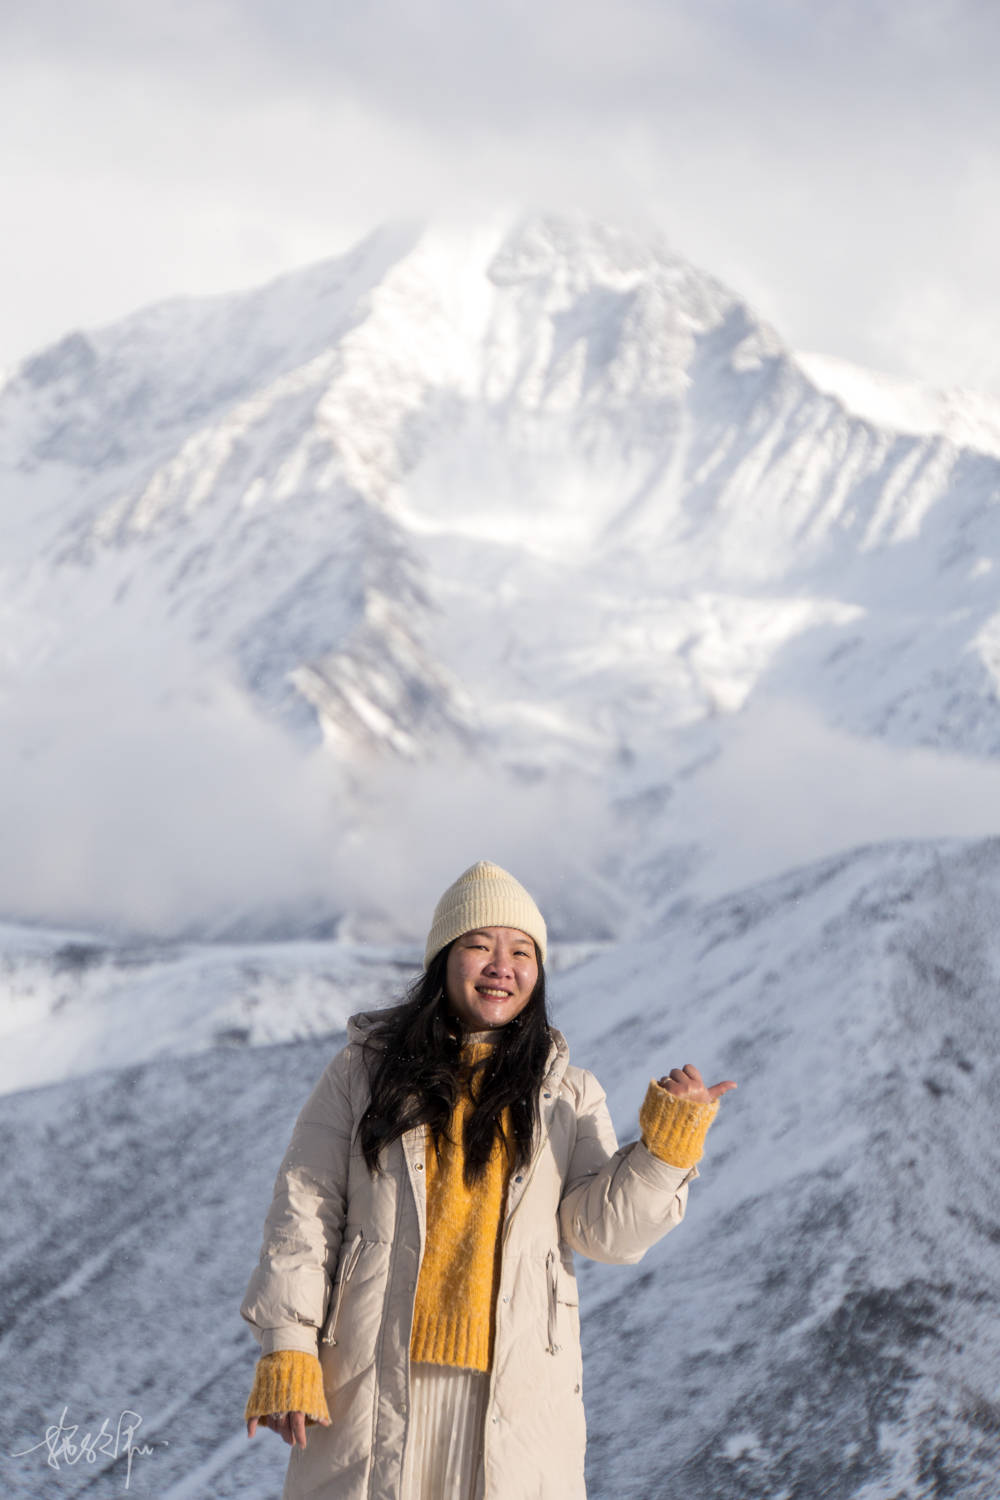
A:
[415,1300]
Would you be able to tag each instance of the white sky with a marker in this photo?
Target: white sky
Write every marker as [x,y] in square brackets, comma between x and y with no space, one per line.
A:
[837,164]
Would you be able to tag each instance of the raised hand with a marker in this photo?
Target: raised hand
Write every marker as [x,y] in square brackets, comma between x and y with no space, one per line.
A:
[687,1083]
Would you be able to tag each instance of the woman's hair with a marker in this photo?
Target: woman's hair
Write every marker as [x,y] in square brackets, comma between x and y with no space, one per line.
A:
[415,1080]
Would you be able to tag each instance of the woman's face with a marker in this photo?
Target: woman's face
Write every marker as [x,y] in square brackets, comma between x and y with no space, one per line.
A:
[490,976]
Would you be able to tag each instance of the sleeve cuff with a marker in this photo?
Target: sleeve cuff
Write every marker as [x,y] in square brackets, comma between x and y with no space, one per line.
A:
[674,1129]
[288,1380]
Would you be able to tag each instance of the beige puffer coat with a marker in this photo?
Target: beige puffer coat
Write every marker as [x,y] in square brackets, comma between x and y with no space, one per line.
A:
[340,1258]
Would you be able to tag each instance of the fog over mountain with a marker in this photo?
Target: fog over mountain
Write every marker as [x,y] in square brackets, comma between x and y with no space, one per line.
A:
[519,529]
[532,544]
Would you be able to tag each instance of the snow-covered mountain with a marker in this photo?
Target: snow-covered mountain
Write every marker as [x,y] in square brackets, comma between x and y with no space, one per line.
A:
[531,543]
[546,501]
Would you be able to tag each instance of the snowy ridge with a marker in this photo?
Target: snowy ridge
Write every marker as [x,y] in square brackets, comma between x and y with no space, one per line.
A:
[834,1287]
[969,419]
[76,1004]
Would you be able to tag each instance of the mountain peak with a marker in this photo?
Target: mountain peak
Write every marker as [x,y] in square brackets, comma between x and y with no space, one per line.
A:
[539,493]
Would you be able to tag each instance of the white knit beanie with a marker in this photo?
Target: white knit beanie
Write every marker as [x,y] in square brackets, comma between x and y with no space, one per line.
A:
[484,896]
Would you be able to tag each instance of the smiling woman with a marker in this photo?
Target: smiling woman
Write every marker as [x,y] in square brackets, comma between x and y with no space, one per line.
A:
[415,1300]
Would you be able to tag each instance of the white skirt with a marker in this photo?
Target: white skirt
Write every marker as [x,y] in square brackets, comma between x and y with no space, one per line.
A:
[444,1450]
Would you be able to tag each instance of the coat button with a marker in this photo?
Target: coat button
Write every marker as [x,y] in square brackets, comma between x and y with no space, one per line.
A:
[546,1096]
[495,1421]
[420,1166]
[518,1179]
[506,1299]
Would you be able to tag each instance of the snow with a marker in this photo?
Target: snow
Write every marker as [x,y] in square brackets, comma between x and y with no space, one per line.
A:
[968,419]
[532,543]
[826,1311]
[75,1004]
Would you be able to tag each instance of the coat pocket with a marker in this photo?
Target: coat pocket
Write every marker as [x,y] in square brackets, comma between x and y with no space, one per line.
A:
[562,1293]
[350,1261]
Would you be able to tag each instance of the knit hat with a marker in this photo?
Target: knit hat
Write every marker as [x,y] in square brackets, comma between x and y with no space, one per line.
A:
[484,896]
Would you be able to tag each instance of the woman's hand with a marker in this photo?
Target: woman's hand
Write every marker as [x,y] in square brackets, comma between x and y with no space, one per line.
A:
[290,1427]
[687,1083]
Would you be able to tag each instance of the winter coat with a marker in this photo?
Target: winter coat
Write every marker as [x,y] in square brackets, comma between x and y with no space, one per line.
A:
[341,1254]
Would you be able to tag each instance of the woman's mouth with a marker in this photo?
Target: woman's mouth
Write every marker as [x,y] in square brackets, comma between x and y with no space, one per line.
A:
[489,994]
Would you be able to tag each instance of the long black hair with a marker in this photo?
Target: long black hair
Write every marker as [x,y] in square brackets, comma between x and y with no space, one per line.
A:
[416,1075]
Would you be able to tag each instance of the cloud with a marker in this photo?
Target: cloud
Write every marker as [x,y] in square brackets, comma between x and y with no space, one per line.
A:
[787,789]
[828,162]
[143,792]
[424,824]
[148,794]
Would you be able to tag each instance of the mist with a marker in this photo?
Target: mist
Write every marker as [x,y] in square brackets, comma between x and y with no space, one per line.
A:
[834,166]
[168,803]
[788,788]
[159,800]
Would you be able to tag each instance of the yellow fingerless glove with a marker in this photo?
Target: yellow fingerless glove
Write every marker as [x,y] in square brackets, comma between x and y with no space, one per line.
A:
[288,1380]
[675,1129]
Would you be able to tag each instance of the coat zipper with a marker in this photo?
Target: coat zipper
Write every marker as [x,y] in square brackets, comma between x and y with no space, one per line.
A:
[547,1084]
[352,1260]
[530,1168]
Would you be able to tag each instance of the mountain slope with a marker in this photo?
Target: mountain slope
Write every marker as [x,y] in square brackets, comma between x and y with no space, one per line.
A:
[571,404]
[543,499]
[824,1321]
